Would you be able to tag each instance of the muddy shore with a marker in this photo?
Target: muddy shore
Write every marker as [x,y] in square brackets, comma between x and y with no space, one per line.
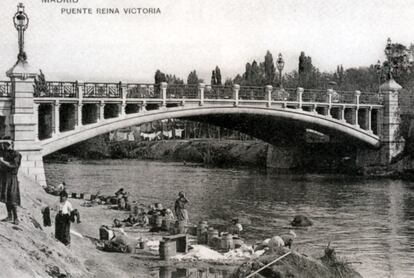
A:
[30,249]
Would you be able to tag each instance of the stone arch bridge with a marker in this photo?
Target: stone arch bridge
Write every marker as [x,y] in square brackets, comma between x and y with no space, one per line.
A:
[45,120]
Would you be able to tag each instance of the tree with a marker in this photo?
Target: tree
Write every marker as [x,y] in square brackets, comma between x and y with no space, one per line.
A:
[229,82]
[213,78]
[193,78]
[305,70]
[401,68]
[238,79]
[247,75]
[255,78]
[159,77]
[363,79]
[218,76]
[172,79]
[269,68]
[339,75]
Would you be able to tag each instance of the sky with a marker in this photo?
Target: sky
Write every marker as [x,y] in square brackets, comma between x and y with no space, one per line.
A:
[198,35]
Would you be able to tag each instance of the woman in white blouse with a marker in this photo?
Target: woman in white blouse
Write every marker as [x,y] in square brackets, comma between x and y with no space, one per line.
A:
[62,220]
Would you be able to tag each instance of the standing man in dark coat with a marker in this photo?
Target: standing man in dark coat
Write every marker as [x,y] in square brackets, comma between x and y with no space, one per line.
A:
[9,185]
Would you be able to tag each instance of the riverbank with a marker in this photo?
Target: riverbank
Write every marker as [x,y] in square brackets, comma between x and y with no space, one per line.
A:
[30,250]
[219,153]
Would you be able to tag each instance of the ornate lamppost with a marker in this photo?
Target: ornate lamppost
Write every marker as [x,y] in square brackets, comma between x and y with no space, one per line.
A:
[21,22]
[280,63]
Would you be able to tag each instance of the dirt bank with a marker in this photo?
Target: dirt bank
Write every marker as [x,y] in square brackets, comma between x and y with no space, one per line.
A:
[30,250]
[228,153]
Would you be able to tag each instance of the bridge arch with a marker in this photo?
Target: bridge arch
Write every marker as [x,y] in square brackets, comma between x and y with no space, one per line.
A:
[65,139]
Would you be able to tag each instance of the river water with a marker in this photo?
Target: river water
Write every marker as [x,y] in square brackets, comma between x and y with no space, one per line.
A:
[367,220]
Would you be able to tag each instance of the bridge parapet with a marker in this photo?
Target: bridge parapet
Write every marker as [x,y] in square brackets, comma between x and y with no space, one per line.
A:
[142,90]
[218,92]
[102,90]
[5,88]
[179,91]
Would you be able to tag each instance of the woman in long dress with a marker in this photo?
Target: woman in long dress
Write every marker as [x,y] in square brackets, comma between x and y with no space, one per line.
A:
[180,208]
[62,220]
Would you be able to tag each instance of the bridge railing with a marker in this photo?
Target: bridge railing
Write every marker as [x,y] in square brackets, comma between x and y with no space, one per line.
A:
[310,95]
[218,92]
[344,97]
[102,90]
[252,93]
[370,98]
[58,89]
[120,90]
[5,88]
[140,90]
[284,94]
[180,91]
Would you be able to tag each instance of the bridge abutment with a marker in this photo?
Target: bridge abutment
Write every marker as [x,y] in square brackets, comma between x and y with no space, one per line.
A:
[24,121]
[392,143]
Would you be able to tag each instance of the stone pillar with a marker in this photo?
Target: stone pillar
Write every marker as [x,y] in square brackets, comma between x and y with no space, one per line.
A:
[342,114]
[101,111]
[201,88]
[299,92]
[329,93]
[357,95]
[163,87]
[36,120]
[269,90]
[368,119]
[24,123]
[79,115]
[379,120]
[56,117]
[236,89]
[124,97]
[392,142]
[388,123]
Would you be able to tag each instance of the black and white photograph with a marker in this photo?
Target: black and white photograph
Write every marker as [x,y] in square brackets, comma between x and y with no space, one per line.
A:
[206,139]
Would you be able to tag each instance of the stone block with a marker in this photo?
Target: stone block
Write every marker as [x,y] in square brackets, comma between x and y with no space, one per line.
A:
[28,164]
[22,136]
[23,87]
[24,170]
[39,163]
[24,119]
[35,157]
[36,171]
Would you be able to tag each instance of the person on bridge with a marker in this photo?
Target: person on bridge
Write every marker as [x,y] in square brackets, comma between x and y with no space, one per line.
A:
[180,208]
[9,184]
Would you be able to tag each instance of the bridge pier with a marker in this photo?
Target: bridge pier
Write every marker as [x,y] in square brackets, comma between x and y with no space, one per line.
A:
[23,121]
[56,118]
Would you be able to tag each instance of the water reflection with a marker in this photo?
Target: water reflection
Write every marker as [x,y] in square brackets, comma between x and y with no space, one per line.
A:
[369,221]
